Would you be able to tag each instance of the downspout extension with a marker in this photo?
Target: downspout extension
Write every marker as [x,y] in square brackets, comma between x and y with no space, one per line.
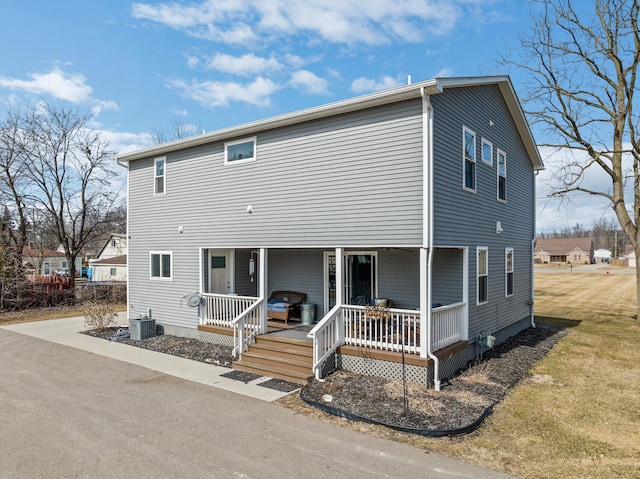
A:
[533,316]
[427,139]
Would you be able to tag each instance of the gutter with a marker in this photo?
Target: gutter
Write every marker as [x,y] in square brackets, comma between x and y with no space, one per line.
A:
[427,138]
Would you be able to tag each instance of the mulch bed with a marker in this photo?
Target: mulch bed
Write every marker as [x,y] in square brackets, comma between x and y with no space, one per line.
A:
[460,403]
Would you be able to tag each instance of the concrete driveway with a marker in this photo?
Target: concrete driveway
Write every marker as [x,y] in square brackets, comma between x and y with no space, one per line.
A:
[66,412]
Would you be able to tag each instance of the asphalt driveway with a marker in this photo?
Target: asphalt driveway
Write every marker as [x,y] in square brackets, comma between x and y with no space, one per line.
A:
[65,412]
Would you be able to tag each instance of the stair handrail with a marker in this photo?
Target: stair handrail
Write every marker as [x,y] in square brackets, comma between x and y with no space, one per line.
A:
[327,336]
[244,333]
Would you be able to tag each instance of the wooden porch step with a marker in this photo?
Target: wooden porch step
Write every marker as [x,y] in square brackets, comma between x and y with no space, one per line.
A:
[278,357]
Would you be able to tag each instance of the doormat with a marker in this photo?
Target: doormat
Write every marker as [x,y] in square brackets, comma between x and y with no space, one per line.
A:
[280,385]
[243,376]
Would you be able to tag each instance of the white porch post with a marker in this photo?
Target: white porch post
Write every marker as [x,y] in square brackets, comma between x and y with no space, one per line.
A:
[425,291]
[263,288]
[340,292]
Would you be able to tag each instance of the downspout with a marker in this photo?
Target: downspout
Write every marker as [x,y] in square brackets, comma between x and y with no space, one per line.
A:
[427,165]
[533,252]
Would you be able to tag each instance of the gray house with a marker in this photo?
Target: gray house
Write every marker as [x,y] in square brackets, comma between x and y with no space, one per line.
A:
[421,195]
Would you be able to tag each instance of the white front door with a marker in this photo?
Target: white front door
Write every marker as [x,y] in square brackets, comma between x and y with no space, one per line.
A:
[220,272]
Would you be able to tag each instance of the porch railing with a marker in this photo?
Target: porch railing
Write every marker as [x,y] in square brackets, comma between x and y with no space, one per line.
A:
[448,325]
[392,330]
[327,336]
[222,309]
[246,327]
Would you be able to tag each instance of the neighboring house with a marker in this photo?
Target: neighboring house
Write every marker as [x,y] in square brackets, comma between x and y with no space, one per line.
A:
[46,262]
[109,269]
[423,194]
[110,263]
[602,256]
[630,256]
[564,250]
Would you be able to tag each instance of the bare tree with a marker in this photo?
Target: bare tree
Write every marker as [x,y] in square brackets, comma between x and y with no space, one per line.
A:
[13,184]
[176,131]
[581,61]
[69,169]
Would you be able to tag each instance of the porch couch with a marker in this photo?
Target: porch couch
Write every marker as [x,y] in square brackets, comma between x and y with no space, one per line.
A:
[283,305]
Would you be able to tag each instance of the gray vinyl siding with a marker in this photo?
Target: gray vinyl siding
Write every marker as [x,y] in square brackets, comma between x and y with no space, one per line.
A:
[447,276]
[399,277]
[469,218]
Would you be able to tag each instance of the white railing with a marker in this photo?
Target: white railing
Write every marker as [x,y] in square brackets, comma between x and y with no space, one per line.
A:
[448,325]
[222,309]
[246,327]
[327,336]
[391,330]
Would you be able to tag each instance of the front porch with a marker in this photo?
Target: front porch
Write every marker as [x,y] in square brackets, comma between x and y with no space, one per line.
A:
[294,352]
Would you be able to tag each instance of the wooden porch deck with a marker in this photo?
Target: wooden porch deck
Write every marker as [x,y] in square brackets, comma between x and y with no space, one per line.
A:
[286,353]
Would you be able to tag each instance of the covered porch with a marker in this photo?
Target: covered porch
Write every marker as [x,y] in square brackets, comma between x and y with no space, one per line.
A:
[423,321]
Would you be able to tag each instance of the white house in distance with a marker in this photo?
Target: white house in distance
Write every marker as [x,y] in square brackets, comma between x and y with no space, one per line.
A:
[602,256]
[110,263]
[420,198]
[47,262]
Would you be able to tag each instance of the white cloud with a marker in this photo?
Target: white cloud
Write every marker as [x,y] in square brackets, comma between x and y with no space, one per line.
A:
[309,82]
[245,65]
[350,22]
[444,72]
[102,105]
[176,111]
[215,93]
[362,84]
[193,62]
[58,84]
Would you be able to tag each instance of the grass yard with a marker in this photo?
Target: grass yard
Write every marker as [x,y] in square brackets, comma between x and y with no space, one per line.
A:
[579,415]
[44,314]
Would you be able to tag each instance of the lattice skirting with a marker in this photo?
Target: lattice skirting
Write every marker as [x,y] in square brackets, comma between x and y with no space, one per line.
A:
[215,338]
[392,370]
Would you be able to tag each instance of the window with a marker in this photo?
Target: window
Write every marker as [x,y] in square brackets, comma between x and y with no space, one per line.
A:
[502,175]
[46,269]
[161,265]
[114,243]
[469,139]
[241,151]
[112,271]
[64,264]
[483,274]
[487,152]
[159,176]
[508,266]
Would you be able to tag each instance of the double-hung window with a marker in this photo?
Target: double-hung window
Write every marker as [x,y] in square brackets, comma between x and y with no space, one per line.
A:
[487,152]
[502,175]
[159,175]
[508,271]
[240,151]
[482,266]
[161,265]
[469,141]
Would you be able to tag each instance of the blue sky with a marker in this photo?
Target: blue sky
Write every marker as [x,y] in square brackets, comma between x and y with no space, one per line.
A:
[212,64]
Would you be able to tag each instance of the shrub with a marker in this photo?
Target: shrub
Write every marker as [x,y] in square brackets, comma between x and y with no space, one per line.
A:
[99,316]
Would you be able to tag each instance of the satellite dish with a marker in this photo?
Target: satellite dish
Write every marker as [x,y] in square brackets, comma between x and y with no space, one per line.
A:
[194,300]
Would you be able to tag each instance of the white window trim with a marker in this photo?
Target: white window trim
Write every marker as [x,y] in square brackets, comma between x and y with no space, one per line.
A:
[161,278]
[498,153]
[506,272]
[466,130]
[486,142]
[228,162]
[162,159]
[478,249]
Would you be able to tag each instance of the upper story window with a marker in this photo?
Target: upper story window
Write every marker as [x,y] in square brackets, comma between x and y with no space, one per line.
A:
[487,152]
[241,151]
[508,270]
[482,266]
[502,175]
[161,264]
[159,175]
[469,141]
[113,271]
